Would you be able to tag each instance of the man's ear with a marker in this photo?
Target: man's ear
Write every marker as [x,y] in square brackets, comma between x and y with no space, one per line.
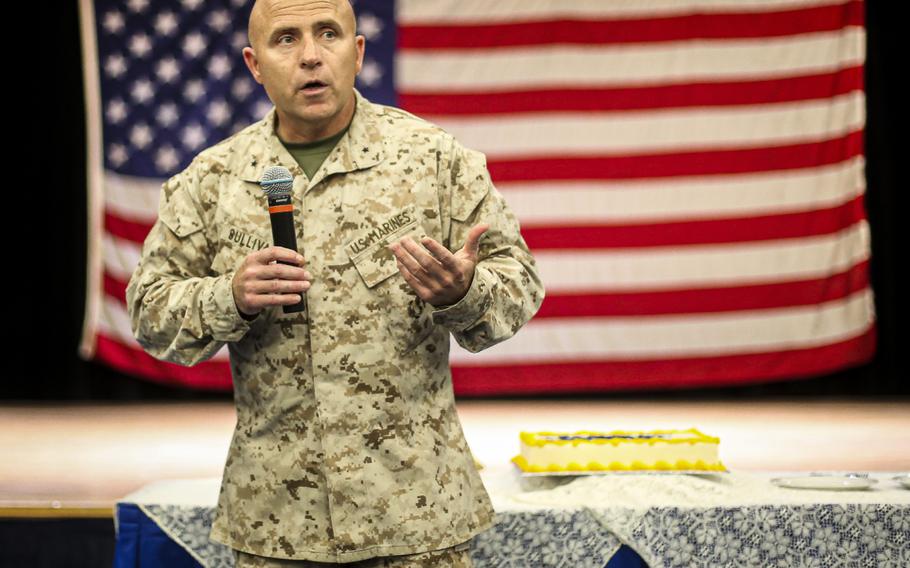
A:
[359,45]
[249,57]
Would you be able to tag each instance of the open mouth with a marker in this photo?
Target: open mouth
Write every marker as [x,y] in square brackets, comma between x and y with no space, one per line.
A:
[313,86]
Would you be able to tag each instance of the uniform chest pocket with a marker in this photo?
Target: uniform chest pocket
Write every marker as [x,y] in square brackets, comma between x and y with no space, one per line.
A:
[408,319]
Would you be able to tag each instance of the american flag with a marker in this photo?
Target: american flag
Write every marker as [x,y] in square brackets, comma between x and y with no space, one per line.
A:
[688,173]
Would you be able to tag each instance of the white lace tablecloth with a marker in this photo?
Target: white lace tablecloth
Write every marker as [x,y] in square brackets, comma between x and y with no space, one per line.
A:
[742,519]
[525,535]
[736,520]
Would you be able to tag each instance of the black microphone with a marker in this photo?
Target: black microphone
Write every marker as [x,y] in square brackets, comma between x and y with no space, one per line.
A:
[277,183]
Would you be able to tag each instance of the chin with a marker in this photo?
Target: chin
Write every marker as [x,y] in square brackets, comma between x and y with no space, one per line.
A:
[318,119]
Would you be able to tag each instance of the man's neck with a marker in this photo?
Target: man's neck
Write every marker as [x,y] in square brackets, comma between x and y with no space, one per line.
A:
[293,133]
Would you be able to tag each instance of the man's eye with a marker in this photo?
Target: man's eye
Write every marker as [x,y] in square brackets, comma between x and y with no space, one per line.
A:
[285,39]
[329,34]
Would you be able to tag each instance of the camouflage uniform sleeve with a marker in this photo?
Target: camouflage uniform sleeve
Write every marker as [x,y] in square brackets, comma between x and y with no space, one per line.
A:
[506,290]
[179,311]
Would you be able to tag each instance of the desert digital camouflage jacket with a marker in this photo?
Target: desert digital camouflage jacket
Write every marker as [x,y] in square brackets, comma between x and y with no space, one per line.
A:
[347,444]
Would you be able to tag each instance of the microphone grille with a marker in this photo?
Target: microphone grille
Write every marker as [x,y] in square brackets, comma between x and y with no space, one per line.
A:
[277,181]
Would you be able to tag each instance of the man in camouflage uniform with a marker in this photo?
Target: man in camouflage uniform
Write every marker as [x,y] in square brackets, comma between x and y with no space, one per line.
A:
[347,446]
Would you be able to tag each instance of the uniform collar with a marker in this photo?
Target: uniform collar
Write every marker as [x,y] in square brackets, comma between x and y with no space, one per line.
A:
[360,148]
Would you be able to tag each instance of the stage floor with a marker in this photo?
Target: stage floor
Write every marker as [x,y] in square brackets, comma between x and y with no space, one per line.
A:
[77,460]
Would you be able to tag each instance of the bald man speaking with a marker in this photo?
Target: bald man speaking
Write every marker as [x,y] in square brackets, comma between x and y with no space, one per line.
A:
[347,447]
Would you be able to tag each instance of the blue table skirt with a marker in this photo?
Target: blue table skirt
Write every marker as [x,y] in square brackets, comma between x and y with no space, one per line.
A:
[141,543]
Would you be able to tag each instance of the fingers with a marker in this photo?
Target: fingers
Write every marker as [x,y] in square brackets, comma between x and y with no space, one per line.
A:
[256,267]
[251,303]
[423,266]
[441,254]
[251,296]
[276,254]
[472,243]
[422,291]
[262,280]
[277,286]
[278,271]
[435,274]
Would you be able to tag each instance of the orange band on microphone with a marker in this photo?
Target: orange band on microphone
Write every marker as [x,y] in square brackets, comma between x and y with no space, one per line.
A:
[281,209]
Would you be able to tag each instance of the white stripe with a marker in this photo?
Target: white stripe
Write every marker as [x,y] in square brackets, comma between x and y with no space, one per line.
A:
[121,257]
[130,197]
[552,339]
[576,202]
[549,135]
[663,268]
[555,66]
[114,322]
[709,197]
[703,266]
[415,12]
[555,202]
[555,339]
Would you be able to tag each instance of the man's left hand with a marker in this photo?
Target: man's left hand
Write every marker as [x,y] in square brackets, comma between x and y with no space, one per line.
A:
[438,276]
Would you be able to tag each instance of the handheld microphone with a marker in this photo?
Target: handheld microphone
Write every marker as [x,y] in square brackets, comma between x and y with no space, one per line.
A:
[277,183]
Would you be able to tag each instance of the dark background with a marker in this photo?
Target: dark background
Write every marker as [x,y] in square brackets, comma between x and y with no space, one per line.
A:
[44,278]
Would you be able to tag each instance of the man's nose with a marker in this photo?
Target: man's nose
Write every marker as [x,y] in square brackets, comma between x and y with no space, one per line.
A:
[311,54]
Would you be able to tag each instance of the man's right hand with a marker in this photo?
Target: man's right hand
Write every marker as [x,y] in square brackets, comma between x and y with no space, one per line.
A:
[261,281]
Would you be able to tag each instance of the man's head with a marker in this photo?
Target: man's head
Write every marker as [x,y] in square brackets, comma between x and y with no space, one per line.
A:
[306,54]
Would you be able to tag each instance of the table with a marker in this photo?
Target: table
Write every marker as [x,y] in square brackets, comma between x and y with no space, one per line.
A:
[737,519]
[742,519]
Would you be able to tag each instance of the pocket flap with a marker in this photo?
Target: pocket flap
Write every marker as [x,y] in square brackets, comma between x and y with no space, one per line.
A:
[377,262]
[375,265]
[179,213]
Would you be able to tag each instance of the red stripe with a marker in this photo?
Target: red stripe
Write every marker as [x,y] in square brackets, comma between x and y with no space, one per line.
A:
[126,229]
[681,233]
[634,97]
[707,300]
[557,377]
[208,375]
[704,162]
[677,301]
[730,25]
[696,163]
[664,373]
[114,287]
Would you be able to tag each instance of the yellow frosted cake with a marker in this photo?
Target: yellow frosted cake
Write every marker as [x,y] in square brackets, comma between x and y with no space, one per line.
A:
[655,450]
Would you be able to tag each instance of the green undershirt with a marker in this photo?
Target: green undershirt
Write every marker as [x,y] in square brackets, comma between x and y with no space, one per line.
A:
[310,155]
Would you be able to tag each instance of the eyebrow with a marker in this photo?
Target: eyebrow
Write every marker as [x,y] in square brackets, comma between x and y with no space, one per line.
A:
[278,32]
[328,22]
